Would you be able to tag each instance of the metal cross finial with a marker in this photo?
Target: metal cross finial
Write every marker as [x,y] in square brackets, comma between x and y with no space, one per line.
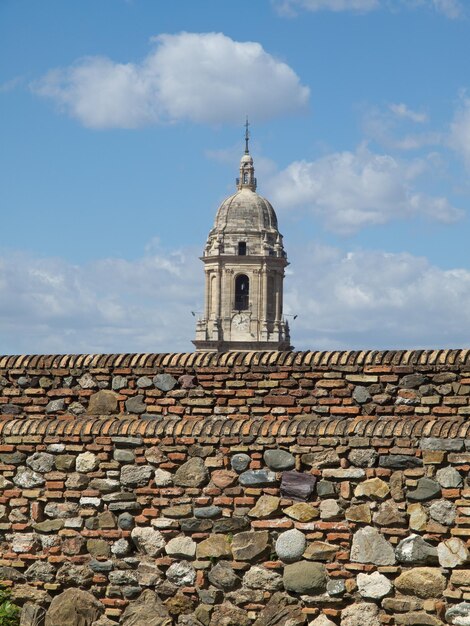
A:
[247,136]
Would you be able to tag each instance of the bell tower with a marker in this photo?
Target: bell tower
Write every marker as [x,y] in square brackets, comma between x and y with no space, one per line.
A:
[244,262]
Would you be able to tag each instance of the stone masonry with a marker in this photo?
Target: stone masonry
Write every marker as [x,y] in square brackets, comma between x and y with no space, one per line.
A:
[243,488]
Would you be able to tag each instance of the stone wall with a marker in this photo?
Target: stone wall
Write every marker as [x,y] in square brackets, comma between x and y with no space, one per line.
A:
[260,488]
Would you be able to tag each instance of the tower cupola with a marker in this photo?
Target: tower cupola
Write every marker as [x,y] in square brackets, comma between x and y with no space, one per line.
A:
[244,262]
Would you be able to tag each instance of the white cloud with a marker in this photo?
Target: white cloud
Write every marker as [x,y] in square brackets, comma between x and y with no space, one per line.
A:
[393,128]
[361,299]
[403,110]
[376,300]
[459,136]
[352,190]
[48,305]
[361,6]
[452,9]
[201,77]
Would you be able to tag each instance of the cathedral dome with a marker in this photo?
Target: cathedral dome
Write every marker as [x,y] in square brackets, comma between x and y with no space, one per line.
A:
[245,211]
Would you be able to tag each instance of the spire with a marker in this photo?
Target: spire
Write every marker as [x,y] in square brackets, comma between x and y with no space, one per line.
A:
[247,178]
[247,136]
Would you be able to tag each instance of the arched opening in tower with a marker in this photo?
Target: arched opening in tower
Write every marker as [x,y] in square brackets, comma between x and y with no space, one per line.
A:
[242,292]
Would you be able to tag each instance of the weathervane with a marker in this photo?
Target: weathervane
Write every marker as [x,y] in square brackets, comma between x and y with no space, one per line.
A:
[247,136]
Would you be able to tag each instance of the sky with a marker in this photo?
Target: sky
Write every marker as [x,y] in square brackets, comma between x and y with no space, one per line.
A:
[121,130]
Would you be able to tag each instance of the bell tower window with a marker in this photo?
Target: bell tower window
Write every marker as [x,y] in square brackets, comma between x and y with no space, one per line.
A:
[242,248]
[242,292]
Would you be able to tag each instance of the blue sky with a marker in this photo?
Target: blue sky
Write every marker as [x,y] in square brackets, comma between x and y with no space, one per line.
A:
[121,129]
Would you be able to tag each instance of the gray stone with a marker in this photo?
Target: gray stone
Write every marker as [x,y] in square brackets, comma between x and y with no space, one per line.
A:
[282,610]
[443,512]
[412,381]
[434,443]
[40,462]
[181,547]
[77,408]
[360,614]
[336,587]
[118,382]
[148,540]
[325,489]
[122,577]
[120,548]
[207,512]
[76,481]
[330,509]
[87,381]
[123,456]
[459,614]
[322,620]
[227,614]
[361,394]
[86,462]
[12,458]
[290,545]
[10,409]
[223,576]
[231,524]
[148,574]
[344,473]
[181,573]
[279,460]
[70,574]
[194,525]
[147,610]
[32,615]
[305,577]
[363,457]
[373,586]
[240,462]
[399,461]
[320,459]
[126,521]
[452,552]
[41,570]
[136,475]
[55,406]
[193,473]
[196,449]
[100,566]
[369,546]
[144,382]
[61,510]
[105,485]
[261,578]
[249,545]
[104,402]
[164,382]
[162,478]
[49,526]
[449,478]
[413,550]
[74,607]
[27,478]
[136,404]
[427,489]
[257,477]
